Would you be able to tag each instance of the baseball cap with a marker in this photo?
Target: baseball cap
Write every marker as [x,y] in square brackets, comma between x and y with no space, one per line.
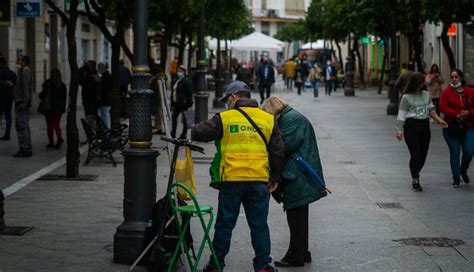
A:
[234,87]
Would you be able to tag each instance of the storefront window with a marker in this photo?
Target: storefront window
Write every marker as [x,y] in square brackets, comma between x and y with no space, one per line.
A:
[469,54]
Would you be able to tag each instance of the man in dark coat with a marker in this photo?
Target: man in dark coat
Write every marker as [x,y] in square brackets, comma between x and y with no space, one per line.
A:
[105,93]
[266,78]
[181,100]
[22,97]
[329,75]
[91,89]
[7,84]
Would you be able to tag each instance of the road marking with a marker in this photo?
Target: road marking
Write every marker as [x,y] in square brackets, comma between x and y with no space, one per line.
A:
[22,183]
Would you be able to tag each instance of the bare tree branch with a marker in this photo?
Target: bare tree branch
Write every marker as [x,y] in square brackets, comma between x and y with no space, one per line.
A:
[127,50]
[98,20]
[56,9]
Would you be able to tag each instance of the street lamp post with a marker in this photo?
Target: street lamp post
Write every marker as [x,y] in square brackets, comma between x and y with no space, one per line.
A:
[201,97]
[349,88]
[140,158]
[392,108]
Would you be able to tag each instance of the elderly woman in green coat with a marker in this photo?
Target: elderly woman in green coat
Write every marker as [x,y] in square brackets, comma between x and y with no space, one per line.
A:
[299,188]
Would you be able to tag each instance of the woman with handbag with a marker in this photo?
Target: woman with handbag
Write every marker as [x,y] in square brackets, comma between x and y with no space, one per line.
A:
[416,107]
[457,105]
[53,105]
[299,188]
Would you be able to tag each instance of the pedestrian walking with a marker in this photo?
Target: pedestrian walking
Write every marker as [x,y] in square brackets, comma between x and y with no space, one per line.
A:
[245,169]
[105,93]
[7,85]
[299,188]
[329,75]
[181,101]
[315,78]
[91,89]
[434,81]
[124,82]
[413,123]
[457,105]
[22,98]
[266,78]
[289,73]
[55,93]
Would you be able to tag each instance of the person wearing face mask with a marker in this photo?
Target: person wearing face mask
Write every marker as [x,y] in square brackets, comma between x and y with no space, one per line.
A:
[246,167]
[457,105]
[434,81]
[181,101]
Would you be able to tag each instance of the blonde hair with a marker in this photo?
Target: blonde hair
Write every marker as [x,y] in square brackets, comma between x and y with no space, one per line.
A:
[274,105]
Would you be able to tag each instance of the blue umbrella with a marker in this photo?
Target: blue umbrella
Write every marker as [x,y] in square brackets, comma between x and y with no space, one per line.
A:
[306,167]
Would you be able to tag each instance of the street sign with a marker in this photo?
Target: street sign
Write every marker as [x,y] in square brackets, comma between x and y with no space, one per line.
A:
[365,39]
[28,9]
[5,13]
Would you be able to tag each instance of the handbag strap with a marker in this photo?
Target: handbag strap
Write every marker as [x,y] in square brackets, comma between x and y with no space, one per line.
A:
[259,131]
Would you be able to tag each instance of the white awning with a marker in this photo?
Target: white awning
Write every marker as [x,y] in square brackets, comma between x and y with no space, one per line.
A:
[257,42]
[319,44]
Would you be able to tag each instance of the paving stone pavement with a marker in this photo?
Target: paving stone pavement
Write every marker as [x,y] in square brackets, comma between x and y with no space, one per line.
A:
[363,164]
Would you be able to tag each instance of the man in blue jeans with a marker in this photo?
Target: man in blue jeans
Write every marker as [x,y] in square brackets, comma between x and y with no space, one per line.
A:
[240,170]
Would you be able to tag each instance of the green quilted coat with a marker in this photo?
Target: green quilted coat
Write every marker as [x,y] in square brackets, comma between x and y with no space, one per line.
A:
[298,136]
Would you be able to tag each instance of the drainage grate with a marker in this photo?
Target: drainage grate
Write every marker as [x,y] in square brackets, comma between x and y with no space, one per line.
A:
[347,162]
[63,177]
[389,205]
[430,242]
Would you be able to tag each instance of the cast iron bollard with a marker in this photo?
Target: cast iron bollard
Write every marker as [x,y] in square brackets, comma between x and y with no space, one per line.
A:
[201,110]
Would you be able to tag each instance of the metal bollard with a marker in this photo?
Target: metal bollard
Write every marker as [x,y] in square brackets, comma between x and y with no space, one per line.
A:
[201,109]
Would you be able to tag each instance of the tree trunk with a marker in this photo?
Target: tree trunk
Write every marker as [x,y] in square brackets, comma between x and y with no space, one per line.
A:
[190,51]
[72,132]
[359,60]
[115,108]
[446,46]
[384,61]
[417,45]
[340,55]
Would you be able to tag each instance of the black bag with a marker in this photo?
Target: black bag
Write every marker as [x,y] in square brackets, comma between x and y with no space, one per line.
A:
[161,254]
[457,129]
[45,105]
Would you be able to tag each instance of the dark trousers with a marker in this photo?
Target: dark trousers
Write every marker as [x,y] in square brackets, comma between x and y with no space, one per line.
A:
[329,83]
[22,125]
[417,136]
[174,123]
[264,89]
[255,199]
[298,223]
[52,122]
[6,106]
[456,145]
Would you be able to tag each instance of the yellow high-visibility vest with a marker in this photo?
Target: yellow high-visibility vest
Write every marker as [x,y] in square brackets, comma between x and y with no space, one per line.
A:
[241,153]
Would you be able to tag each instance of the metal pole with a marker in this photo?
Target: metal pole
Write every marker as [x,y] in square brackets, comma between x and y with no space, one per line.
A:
[201,97]
[392,108]
[216,103]
[349,88]
[140,158]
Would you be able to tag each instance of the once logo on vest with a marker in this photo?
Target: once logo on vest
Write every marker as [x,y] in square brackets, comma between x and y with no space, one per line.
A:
[236,128]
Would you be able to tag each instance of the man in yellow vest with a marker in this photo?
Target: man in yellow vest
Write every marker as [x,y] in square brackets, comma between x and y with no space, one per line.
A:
[245,170]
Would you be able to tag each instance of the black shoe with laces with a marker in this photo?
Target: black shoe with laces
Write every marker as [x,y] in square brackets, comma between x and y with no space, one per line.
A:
[59,143]
[22,154]
[416,187]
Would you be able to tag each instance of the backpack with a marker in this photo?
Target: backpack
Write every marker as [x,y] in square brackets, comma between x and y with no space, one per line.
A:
[160,254]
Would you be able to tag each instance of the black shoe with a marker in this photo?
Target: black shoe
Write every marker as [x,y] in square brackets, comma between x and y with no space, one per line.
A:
[21,154]
[456,182]
[417,187]
[49,146]
[307,257]
[5,138]
[59,143]
[268,269]
[465,178]
[283,263]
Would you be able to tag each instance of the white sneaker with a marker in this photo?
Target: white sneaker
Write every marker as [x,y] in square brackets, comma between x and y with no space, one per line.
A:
[316,98]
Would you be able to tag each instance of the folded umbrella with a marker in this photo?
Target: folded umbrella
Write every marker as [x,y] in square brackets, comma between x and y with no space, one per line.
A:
[306,167]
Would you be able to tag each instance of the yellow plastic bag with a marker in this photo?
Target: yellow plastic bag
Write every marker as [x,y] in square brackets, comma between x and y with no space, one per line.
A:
[184,174]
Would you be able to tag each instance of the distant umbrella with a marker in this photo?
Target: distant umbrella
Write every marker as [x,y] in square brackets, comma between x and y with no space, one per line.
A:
[306,167]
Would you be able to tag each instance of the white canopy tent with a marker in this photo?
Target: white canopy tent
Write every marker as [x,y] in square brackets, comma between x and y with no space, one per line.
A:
[257,42]
[319,44]
[212,43]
